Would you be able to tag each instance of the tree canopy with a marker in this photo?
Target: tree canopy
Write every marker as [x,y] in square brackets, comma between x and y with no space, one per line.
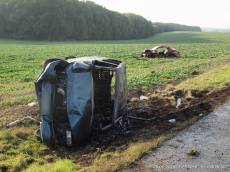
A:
[68,20]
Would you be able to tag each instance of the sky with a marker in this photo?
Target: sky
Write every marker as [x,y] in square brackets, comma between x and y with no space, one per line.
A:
[203,13]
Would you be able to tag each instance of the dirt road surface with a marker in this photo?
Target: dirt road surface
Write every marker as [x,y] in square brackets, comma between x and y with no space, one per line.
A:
[210,140]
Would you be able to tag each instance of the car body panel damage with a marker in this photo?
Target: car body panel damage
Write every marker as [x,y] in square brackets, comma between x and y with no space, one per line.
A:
[79,96]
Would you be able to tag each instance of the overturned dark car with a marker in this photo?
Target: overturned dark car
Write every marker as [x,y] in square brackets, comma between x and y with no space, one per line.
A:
[79,96]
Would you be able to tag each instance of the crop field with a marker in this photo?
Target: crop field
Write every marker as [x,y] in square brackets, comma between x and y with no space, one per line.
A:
[21,61]
[21,64]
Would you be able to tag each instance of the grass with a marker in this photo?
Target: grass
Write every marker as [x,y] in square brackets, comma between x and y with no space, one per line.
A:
[21,60]
[207,54]
[193,153]
[19,148]
[215,79]
[112,161]
[58,166]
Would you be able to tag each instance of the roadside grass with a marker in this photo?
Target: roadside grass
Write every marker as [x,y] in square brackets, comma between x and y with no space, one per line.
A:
[213,80]
[19,148]
[113,161]
[58,166]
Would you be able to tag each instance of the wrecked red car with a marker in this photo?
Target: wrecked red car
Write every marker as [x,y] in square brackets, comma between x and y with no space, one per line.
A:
[166,52]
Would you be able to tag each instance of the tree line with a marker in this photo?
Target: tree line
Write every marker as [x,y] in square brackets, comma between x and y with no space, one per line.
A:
[70,20]
[170,27]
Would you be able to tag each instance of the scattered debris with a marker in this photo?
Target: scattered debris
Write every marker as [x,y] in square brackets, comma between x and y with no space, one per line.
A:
[144,97]
[201,114]
[167,52]
[178,103]
[32,104]
[134,99]
[23,121]
[193,153]
[172,121]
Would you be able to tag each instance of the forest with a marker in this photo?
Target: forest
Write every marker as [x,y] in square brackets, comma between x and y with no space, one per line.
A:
[74,20]
[170,27]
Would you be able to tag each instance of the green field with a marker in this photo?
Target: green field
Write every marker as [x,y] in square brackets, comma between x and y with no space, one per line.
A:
[21,63]
[21,60]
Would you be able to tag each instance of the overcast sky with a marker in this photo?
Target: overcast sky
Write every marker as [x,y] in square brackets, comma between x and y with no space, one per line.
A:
[204,13]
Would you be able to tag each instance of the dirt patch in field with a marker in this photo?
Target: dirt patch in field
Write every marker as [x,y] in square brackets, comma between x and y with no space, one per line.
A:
[170,100]
[24,110]
[16,112]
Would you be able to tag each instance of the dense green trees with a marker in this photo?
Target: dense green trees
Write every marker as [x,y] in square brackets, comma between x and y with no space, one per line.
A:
[169,27]
[68,20]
